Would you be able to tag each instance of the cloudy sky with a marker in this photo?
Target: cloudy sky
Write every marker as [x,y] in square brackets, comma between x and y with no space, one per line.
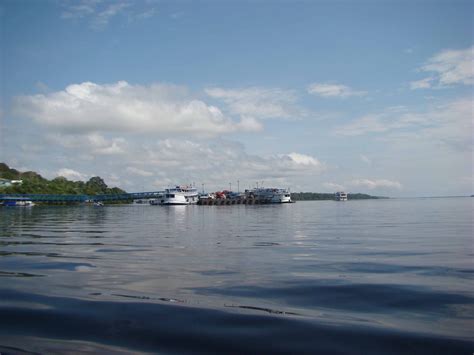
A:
[365,96]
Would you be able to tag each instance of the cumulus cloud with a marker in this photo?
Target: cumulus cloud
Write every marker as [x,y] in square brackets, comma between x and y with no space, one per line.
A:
[449,67]
[376,184]
[93,143]
[257,102]
[158,108]
[219,162]
[71,174]
[302,159]
[333,90]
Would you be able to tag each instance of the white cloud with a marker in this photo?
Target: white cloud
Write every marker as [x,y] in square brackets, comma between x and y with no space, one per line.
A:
[303,159]
[449,123]
[71,174]
[103,17]
[99,13]
[371,123]
[375,184]
[258,103]
[449,67]
[333,90]
[370,184]
[80,9]
[219,162]
[157,109]
[93,143]
[422,84]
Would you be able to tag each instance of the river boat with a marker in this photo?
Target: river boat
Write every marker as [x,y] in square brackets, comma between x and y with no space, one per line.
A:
[340,196]
[179,195]
[272,195]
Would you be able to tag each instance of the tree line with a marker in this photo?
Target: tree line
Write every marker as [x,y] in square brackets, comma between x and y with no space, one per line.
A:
[34,183]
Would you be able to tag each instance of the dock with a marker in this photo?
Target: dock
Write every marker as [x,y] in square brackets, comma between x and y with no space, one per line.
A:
[239,201]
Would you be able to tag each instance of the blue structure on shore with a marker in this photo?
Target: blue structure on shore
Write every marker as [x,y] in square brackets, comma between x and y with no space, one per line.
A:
[49,198]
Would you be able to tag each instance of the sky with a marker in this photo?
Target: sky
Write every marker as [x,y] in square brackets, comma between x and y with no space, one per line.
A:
[363,96]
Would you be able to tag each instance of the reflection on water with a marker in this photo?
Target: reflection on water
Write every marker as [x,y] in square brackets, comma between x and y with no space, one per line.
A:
[378,274]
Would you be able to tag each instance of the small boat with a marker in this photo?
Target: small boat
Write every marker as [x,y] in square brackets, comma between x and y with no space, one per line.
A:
[17,202]
[206,196]
[98,204]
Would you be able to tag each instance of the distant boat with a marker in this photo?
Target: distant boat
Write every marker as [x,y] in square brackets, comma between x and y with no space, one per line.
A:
[98,204]
[340,196]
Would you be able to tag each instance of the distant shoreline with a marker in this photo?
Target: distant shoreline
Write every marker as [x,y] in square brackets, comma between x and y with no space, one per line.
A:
[323,196]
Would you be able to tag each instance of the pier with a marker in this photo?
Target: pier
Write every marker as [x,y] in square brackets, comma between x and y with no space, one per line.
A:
[237,201]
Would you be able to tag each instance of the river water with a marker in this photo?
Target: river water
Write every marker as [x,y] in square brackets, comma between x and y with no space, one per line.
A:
[358,277]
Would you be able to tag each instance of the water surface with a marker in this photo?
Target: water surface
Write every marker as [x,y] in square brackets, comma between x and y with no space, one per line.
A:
[374,276]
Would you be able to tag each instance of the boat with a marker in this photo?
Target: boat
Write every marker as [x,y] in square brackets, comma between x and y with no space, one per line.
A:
[179,195]
[340,196]
[17,202]
[206,196]
[272,195]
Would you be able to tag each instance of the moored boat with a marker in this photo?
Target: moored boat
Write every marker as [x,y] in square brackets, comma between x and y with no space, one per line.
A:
[179,195]
[271,195]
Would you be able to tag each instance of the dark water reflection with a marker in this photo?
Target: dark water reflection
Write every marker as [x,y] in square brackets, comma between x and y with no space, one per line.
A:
[388,276]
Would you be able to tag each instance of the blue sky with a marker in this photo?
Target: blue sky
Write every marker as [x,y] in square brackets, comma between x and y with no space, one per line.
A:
[365,96]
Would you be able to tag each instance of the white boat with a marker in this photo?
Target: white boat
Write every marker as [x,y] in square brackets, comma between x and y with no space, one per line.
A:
[340,196]
[272,195]
[179,195]
[206,196]
[283,196]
